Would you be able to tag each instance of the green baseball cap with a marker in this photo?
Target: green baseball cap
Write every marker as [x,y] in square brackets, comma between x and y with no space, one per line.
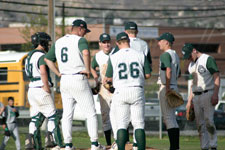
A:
[121,36]
[81,23]
[131,26]
[104,37]
[167,36]
[187,50]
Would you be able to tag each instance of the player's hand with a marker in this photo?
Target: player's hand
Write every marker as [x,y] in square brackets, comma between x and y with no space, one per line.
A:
[47,89]
[59,75]
[168,90]
[14,110]
[3,126]
[214,99]
[96,81]
[106,80]
[87,73]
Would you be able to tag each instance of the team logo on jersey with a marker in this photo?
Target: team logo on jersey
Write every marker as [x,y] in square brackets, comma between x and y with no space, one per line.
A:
[201,69]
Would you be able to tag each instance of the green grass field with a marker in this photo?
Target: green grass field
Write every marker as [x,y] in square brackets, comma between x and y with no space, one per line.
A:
[81,140]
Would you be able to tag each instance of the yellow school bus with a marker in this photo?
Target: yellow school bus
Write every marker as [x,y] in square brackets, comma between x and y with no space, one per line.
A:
[13,80]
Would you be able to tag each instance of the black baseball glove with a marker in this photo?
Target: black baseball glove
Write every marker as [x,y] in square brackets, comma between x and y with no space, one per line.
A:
[7,132]
[109,87]
[96,89]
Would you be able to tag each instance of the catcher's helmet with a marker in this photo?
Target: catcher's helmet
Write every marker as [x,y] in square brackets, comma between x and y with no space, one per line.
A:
[41,38]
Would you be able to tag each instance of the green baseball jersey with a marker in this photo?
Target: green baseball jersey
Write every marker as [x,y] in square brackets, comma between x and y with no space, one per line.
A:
[128,67]
[68,52]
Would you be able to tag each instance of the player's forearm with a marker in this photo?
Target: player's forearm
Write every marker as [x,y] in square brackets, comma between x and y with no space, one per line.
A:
[87,60]
[94,73]
[190,97]
[168,77]
[216,77]
[52,66]
[44,76]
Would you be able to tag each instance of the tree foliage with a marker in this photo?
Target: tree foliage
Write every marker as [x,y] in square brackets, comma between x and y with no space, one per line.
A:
[37,23]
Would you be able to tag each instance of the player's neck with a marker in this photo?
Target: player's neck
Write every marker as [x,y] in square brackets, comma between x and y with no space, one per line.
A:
[132,35]
[124,45]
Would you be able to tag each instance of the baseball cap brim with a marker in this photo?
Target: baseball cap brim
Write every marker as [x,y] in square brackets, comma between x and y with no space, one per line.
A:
[187,56]
[87,30]
[159,38]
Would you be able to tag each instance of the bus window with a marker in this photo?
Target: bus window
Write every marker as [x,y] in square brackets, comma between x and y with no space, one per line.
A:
[3,74]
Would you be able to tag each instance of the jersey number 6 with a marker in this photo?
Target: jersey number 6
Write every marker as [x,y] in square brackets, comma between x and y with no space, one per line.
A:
[64,56]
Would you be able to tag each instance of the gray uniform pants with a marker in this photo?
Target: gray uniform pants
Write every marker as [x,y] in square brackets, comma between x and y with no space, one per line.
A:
[204,118]
[168,113]
[14,133]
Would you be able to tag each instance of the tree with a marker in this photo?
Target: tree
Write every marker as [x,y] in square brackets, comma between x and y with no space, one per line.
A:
[37,23]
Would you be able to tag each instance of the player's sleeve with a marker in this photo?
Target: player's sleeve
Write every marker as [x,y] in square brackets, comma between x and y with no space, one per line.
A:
[109,71]
[41,61]
[17,112]
[94,63]
[51,54]
[82,44]
[165,59]
[211,65]
[147,68]
[149,57]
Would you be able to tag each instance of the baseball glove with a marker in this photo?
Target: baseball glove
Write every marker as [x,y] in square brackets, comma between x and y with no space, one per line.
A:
[96,89]
[7,132]
[190,113]
[109,87]
[174,99]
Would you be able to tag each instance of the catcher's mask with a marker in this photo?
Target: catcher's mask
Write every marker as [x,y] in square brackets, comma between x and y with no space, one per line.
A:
[41,38]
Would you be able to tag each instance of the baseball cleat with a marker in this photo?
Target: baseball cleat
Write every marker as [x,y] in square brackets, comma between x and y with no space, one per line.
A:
[99,147]
[114,146]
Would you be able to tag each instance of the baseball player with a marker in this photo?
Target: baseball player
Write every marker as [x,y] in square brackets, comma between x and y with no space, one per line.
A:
[138,44]
[99,63]
[127,69]
[169,71]
[73,57]
[39,96]
[10,124]
[204,93]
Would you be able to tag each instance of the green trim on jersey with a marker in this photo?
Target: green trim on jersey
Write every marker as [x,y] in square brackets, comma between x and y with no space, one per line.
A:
[211,65]
[165,59]
[109,71]
[51,54]
[116,49]
[149,57]
[94,63]
[147,68]
[82,44]
[41,61]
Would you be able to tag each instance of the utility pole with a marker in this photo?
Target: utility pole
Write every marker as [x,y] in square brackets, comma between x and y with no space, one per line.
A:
[51,31]
[63,19]
[51,19]
[103,21]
